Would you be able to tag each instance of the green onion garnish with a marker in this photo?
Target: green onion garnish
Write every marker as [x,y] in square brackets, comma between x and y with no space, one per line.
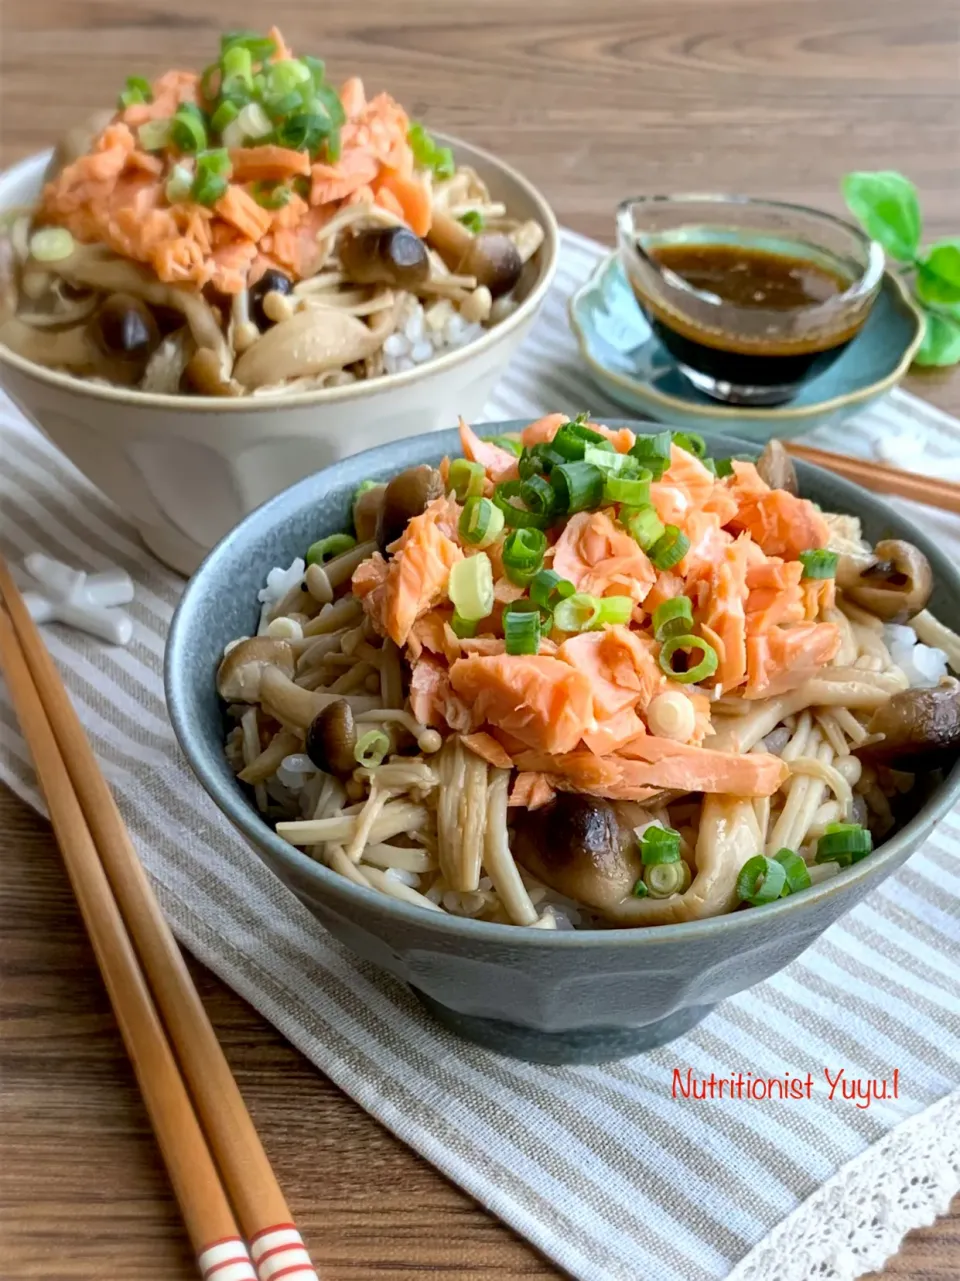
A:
[634,491]
[481,522]
[271,195]
[844,843]
[472,220]
[237,68]
[517,517]
[371,748]
[610,462]
[640,889]
[573,440]
[710,465]
[318,70]
[819,563]
[364,486]
[427,154]
[706,667]
[691,442]
[664,879]
[540,458]
[224,115]
[470,587]
[582,612]
[670,548]
[285,77]
[653,452]
[521,631]
[154,135]
[179,184]
[644,524]
[326,98]
[672,618]
[463,627]
[538,495]
[304,131]
[187,129]
[137,90]
[511,444]
[259,47]
[578,486]
[724,467]
[798,878]
[659,845]
[466,479]
[324,549]
[213,170]
[548,589]
[761,880]
[523,554]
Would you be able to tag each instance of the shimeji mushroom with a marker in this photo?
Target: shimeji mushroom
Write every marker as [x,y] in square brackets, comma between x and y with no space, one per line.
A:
[406,496]
[313,341]
[240,677]
[919,729]
[775,466]
[490,257]
[894,583]
[385,256]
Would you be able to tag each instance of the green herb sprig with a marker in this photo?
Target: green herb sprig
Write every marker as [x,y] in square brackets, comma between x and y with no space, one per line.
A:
[887,207]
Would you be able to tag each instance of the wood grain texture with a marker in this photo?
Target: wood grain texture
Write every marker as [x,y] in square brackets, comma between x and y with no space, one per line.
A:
[592,102]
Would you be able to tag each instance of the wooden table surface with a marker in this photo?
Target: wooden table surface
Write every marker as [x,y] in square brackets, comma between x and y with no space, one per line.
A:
[593,102]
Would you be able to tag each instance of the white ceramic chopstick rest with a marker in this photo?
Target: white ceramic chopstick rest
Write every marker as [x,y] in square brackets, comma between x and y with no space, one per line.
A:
[85,601]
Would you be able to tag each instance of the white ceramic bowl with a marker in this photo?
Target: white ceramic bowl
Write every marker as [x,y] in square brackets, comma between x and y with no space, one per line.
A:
[187,469]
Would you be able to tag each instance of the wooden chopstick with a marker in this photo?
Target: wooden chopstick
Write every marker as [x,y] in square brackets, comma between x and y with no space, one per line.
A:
[264,1217]
[203,1203]
[882,478]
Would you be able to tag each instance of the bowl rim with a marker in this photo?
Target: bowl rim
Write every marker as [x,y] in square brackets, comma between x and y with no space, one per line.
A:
[724,414]
[234,807]
[216,405]
[865,284]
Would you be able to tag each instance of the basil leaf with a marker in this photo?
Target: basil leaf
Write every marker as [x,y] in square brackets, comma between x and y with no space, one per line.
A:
[938,275]
[887,207]
[941,342]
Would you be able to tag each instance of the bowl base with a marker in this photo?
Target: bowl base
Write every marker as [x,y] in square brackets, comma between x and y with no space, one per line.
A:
[584,1045]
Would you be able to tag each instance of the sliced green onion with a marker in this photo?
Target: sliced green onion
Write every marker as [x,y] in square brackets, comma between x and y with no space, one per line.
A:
[664,879]
[672,618]
[724,467]
[644,524]
[444,166]
[538,495]
[511,444]
[427,154]
[710,465]
[136,91]
[844,843]
[463,627]
[548,589]
[653,452]
[178,185]
[659,845]
[325,549]
[237,68]
[634,492]
[271,195]
[213,171]
[523,551]
[798,878]
[761,880]
[304,131]
[187,129]
[371,748]
[517,517]
[470,587]
[481,522]
[364,487]
[317,68]
[578,486]
[640,889]
[278,109]
[521,631]
[154,135]
[259,47]
[51,244]
[224,115]
[574,438]
[691,442]
[819,564]
[706,667]
[582,612]
[466,479]
[538,459]
[670,548]
[610,462]
[284,77]
[472,220]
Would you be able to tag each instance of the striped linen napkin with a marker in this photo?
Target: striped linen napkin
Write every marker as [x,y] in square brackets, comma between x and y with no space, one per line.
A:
[611,1171]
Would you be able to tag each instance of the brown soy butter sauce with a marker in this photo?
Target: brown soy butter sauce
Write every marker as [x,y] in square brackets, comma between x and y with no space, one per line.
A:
[754,279]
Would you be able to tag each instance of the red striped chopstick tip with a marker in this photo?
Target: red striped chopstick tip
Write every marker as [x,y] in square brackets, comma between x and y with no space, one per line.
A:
[280,1255]
[226,1260]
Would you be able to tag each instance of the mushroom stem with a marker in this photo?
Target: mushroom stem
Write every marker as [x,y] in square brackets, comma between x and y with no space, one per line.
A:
[490,257]
[295,706]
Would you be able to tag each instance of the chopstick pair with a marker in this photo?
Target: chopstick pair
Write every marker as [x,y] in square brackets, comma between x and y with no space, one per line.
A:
[882,478]
[209,1144]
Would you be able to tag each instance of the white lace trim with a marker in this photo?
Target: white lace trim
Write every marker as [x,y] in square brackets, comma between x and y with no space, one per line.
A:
[857,1219]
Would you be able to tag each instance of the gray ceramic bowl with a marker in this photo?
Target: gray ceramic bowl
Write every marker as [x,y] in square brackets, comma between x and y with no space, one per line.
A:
[585,996]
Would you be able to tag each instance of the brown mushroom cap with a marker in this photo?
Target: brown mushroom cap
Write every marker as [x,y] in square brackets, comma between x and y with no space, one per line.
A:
[406,496]
[490,257]
[581,847]
[776,468]
[385,256]
[332,738]
[366,512]
[240,673]
[920,728]
[894,585]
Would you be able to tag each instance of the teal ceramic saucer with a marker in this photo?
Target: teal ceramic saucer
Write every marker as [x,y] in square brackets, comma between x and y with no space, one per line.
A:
[629,363]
